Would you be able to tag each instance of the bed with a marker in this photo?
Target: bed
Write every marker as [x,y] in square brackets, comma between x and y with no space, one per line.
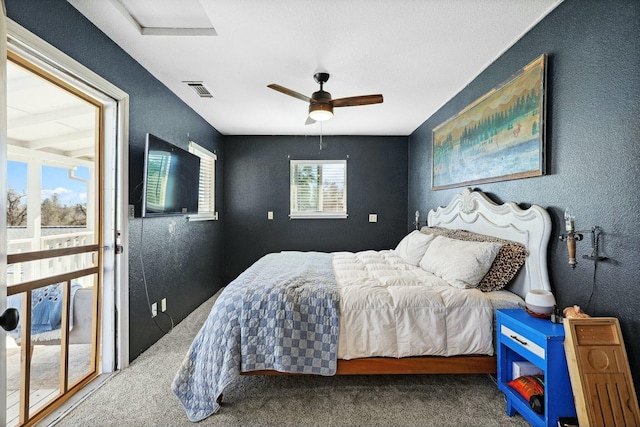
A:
[415,309]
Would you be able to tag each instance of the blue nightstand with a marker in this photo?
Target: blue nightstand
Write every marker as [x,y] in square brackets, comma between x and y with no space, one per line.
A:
[521,336]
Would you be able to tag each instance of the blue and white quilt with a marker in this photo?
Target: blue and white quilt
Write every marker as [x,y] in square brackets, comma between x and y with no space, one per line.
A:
[281,314]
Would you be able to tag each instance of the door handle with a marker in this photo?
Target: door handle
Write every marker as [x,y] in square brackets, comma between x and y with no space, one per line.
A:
[9,319]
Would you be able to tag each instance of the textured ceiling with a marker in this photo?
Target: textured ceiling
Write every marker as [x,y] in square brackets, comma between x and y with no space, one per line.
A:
[417,53]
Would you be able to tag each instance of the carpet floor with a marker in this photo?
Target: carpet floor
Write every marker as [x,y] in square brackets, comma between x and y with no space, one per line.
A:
[141,396]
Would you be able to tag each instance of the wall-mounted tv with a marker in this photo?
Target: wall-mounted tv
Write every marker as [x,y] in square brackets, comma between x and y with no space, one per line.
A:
[171,179]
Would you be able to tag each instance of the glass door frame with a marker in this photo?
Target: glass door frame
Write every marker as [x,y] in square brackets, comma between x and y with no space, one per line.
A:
[115,324]
[116,158]
[3,206]
[38,252]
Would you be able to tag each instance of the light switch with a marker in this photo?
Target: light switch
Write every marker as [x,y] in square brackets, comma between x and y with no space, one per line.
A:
[373,217]
[270,215]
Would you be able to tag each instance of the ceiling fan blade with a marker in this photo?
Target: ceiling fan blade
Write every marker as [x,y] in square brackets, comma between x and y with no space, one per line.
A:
[289,92]
[309,121]
[357,100]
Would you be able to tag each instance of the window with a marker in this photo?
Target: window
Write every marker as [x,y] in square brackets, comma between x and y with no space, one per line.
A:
[318,189]
[207,190]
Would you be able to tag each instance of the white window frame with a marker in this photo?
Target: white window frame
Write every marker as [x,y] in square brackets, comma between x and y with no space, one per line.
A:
[207,184]
[317,214]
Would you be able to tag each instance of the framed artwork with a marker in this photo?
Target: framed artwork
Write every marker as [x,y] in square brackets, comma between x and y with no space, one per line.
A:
[498,137]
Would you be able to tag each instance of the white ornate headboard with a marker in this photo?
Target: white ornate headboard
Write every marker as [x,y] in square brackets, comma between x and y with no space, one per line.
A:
[474,211]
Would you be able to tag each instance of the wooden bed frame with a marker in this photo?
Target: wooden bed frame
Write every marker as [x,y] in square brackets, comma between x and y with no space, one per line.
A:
[472,211]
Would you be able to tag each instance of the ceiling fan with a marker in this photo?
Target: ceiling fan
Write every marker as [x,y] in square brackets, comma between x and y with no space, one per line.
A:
[321,105]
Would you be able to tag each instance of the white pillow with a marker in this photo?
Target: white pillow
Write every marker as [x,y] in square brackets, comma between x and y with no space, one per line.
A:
[463,264]
[413,246]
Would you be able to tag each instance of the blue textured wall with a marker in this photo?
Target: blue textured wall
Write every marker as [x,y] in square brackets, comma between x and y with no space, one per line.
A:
[183,265]
[257,181]
[593,159]
[593,164]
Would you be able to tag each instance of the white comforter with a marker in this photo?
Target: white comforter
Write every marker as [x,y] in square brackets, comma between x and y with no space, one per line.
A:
[392,309]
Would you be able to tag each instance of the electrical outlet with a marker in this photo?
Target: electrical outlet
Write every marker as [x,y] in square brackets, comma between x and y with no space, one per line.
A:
[163,305]
[373,217]
[270,215]
[154,309]
[132,211]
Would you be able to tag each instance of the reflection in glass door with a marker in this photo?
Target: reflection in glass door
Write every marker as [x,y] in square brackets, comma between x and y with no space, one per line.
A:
[53,240]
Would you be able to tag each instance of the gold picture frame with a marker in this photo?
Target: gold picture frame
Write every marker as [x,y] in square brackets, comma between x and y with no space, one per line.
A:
[500,136]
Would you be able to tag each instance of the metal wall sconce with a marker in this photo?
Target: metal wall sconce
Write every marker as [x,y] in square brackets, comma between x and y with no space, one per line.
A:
[571,236]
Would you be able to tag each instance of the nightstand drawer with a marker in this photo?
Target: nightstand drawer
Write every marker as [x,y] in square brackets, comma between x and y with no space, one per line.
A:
[510,336]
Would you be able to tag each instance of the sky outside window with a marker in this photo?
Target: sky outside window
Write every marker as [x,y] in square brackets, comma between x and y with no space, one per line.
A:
[54,180]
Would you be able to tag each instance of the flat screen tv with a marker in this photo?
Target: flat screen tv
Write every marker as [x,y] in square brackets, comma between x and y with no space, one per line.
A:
[171,179]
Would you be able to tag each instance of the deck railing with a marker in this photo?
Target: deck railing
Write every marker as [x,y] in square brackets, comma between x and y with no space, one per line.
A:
[26,271]
[61,261]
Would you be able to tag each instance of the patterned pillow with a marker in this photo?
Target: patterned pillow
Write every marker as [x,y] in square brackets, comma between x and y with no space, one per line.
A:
[438,231]
[510,258]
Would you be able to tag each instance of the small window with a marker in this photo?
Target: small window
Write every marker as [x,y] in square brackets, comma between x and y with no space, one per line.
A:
[207,188]
[318,189]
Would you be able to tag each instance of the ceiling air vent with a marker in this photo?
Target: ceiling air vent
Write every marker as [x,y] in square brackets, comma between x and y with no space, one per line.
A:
[200,89]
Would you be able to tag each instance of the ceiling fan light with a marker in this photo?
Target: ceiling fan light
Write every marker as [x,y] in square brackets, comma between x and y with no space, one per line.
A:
[321,115]
[320,112]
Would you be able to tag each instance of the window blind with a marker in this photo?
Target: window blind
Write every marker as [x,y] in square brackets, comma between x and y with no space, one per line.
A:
[207,187]
[318,189]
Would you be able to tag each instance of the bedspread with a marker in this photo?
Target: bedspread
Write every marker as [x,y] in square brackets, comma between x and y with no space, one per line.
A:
[282,313]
